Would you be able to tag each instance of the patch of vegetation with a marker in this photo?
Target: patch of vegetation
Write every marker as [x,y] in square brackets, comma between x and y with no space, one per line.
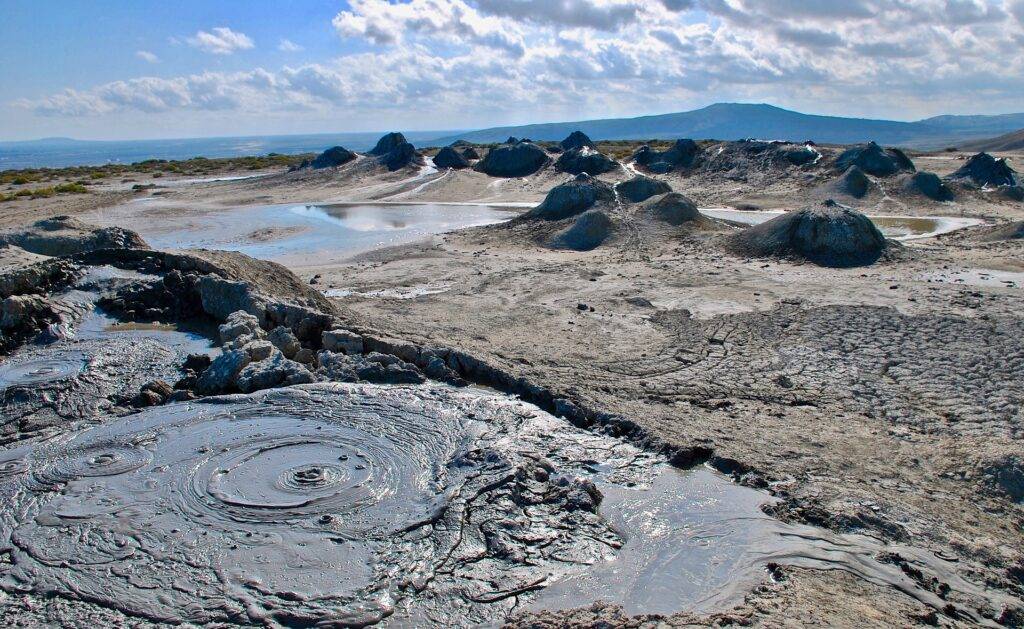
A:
[195,167]
[45,193]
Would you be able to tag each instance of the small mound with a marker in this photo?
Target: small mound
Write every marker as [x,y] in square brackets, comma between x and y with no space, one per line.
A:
[641,188]
[1013,193]
[854,183]
[470,153]
[874,160]
[799,155]
[683,154]
[65,236]
[1008,231]
[388,143]
[985,170]
[673,208]
[514,160]
[448,157]
[401,156]
[828,234]
[332,158]
[585,160]
[571,198]
[928,185]
[577,140]
[588,232]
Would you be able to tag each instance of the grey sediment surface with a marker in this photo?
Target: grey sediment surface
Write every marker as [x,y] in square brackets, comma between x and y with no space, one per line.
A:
[586,483]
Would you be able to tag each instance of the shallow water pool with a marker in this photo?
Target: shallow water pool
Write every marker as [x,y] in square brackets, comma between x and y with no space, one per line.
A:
[301,235]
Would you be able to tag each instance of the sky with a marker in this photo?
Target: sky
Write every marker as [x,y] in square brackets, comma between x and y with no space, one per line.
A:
[125,69]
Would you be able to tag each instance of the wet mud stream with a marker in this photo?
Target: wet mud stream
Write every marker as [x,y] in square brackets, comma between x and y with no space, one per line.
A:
[360,504]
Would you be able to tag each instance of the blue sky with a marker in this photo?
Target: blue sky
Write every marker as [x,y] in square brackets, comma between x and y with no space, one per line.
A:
[143,69]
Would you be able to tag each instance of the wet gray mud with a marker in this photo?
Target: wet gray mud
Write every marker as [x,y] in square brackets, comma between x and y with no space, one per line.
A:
[342,504]
[352,504]
[89,362]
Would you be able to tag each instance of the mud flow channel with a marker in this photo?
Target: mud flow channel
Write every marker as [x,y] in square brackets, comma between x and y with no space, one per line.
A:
[89,361]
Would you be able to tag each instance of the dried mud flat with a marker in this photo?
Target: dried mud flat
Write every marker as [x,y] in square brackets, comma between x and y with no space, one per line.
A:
[881,402]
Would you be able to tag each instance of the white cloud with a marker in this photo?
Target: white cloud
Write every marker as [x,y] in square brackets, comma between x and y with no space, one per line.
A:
[493,61]
[286,45]
[221,41]
[446,21]
[147,56]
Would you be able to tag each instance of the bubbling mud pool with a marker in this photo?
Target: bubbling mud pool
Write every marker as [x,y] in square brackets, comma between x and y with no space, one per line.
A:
[346,504]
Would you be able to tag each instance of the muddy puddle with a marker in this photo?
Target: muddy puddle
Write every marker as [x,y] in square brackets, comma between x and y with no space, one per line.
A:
[362,504]
[896,227]
[299,235]
[89,362]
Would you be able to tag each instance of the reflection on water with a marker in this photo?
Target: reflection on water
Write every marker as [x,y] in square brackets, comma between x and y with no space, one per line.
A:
[895,227]
[308,234]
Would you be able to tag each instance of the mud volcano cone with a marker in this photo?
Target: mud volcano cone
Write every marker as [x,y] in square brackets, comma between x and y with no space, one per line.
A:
[571,198]
[985,170]
[591,229]
[673,208]
[448,157]
[514,160]
[332,158]
[828,234]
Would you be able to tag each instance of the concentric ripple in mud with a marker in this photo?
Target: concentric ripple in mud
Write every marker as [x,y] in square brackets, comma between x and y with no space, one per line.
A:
[294,504]
[32,372]
[342,505]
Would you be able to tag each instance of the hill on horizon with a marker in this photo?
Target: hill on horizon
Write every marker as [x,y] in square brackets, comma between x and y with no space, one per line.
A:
[1008,142]
[736,121]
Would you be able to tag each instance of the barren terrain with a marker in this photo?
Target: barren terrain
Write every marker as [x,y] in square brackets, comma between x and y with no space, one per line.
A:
[883,401]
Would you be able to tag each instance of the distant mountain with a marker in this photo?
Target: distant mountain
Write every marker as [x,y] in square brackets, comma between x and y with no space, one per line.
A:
[732,121]
[1009,142]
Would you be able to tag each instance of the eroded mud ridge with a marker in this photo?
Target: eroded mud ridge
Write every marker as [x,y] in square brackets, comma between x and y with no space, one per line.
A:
[330,502]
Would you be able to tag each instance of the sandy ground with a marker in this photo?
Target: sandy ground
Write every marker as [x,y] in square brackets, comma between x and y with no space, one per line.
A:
[884,400]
